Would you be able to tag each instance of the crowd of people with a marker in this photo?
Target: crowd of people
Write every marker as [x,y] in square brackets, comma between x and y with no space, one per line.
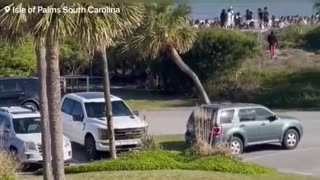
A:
[229,19]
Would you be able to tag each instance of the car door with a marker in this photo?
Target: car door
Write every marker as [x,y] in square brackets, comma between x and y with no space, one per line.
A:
[248,125]
[77,122]
[67,119]
[5,131]
[269,130]
[11,92]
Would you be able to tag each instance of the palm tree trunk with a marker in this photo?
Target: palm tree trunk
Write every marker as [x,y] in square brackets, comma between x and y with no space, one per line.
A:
[54,98]
[185,68]
[107,95]
[43,105]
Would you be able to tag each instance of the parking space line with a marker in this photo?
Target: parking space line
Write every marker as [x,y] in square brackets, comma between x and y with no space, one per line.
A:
[280,153]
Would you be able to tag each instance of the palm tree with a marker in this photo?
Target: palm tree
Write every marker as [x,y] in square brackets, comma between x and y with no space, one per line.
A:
[316,6]
[49,27]
[55,26]
[98,32]
[166,29]
[16,27]
[43,106]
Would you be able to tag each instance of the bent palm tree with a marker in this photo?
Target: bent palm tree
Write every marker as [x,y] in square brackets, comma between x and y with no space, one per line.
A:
[97,32]
[166,29]
[15,27]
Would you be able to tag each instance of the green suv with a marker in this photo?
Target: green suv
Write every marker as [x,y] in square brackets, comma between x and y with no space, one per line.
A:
[241,125]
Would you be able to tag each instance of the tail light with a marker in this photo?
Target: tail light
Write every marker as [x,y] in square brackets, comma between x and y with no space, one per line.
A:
[217,131]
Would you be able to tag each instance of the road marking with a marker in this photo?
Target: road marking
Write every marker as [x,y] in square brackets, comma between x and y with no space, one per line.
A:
[295,172]
[280,153]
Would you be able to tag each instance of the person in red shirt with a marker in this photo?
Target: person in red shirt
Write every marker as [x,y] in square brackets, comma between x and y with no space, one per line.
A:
[273,41]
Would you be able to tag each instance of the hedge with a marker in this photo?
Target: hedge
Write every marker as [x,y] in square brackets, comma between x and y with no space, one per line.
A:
[171,160]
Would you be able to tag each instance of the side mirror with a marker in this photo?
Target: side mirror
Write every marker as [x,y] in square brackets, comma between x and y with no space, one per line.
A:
[136,113]
[78,118]
[272,118]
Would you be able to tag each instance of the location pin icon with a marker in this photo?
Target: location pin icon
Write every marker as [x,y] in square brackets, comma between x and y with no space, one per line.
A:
[7,9]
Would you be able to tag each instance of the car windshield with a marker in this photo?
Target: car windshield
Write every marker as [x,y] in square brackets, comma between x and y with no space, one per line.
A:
[97,109]
[26,125]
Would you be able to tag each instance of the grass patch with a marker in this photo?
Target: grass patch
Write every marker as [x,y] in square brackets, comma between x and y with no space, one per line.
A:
[171,160]
[172,142]
[9,166]
[290,81]
[175,174]
[159,104]
[140,99]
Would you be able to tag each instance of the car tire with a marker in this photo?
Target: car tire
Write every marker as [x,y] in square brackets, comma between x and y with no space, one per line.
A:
[14,152]
[31,104]
[236,146]
[90,148]
[290,139]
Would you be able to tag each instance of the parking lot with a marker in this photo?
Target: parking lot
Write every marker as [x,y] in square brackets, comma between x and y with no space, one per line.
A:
[303,160]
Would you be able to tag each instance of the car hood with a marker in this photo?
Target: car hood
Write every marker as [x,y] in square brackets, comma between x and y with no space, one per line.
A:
[32,137]
[286,117]
[122,122]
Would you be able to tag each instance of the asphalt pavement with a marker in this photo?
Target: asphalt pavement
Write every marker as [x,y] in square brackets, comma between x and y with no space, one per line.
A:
[303,160]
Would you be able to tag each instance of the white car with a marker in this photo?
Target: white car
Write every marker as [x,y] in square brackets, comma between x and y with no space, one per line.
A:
[84,122]
[20,133]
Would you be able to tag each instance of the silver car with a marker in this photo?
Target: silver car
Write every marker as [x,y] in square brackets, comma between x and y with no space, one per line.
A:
[241,125]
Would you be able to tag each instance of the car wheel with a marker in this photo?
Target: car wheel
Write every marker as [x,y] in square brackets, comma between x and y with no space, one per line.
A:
[290,139]
[14,152]
[236,146]
[31,105]
[90,147]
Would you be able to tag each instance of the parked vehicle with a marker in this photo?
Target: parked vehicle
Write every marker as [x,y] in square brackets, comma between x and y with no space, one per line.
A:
[19,92]
[20,133]
[243,125]
[84,122]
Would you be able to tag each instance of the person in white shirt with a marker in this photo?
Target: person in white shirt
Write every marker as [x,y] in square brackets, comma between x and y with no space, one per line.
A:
[229,19]
[232,17]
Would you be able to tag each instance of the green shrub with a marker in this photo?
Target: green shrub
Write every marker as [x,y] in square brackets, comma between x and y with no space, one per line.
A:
[201,148]
[293,90]
[312,39]
[215,52]
[17,61]
[9,166]
[292,36]
[219,51]
[160,160]
[150,143]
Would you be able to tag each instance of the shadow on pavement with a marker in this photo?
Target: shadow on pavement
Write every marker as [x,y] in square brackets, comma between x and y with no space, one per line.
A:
[263,147]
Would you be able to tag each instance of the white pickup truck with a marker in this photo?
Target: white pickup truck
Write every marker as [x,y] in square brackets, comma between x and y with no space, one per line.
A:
[20,134]
[84,122]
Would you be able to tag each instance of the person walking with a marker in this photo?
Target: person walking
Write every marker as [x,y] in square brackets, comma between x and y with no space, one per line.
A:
[266,17]
[260,18]
[232,17]
[237,20]
[223,18]
[229,18]
[273,42]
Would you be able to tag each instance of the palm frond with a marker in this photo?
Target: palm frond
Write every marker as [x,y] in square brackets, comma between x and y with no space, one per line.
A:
[316,6]
[54,24]
[13,25]
[164,23]
[103,29]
